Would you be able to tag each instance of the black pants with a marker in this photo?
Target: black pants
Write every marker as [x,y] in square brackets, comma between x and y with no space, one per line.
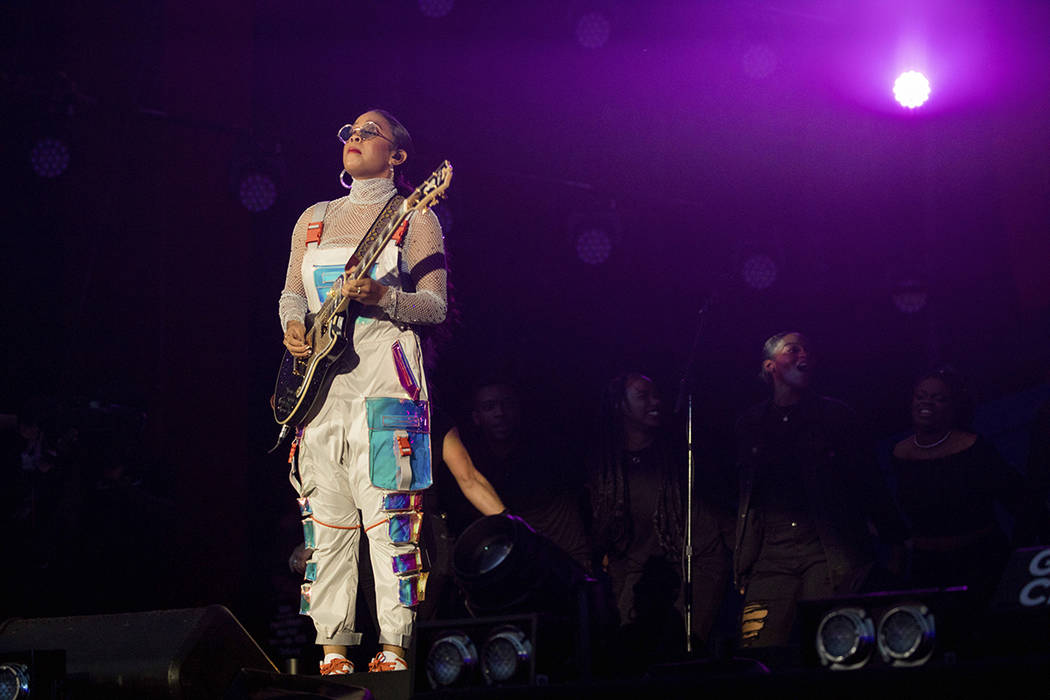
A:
[791,566]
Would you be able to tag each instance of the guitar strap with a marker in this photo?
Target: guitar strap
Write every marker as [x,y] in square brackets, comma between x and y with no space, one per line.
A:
[377,226]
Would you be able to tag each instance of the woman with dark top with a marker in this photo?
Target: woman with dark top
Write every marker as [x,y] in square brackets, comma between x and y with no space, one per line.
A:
[636,492]
[949,480]
[638,495]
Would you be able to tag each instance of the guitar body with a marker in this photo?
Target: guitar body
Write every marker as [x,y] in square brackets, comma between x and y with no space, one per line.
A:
[300,380]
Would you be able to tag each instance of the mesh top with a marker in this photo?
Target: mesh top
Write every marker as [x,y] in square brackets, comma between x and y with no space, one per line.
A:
[346,223]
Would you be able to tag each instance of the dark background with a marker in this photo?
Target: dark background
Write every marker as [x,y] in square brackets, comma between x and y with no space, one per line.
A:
[703,132]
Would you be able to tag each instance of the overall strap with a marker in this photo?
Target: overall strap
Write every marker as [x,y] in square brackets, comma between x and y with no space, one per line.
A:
[315,228]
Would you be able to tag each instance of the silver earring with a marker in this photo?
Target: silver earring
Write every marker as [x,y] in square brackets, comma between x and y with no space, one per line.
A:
[341,181]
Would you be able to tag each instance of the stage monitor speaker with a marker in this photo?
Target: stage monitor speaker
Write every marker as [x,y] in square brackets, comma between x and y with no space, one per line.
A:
[190,653]
[895,629]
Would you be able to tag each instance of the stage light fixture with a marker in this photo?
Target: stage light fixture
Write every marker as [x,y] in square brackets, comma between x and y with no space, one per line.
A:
[31,673]
[900,625]
[515,650]
[844,638]
[14,681]
[49,157]
[503,566]
[593,30]
[436,8]
[593,231]
[505,653]
[593,246]
[257,173]
[906,635]
[451,660]
[911,89]
[909,296]
[257,192]
[515,581]
[759,271]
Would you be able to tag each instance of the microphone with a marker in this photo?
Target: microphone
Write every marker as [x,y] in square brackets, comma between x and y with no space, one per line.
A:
[683,385]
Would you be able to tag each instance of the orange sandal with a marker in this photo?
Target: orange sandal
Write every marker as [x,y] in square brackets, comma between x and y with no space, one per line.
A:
[338,666]
[387,661]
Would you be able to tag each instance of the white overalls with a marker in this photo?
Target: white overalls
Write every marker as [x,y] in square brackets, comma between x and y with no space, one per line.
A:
[333,465]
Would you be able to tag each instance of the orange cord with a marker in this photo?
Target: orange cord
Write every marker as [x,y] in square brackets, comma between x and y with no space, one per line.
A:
[350,527]
[384,520]
[334,527]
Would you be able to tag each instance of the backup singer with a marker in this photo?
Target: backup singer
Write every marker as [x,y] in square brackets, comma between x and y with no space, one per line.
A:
[406,288]
[809,486]
[950,481]
[638,499]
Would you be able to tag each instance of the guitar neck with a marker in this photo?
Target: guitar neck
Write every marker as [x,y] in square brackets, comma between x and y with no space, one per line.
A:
[369,251]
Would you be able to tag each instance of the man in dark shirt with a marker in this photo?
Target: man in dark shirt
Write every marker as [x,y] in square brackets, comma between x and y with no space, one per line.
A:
[532,473]
[809,487]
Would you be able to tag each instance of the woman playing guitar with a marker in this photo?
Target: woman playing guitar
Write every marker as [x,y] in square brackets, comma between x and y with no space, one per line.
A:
[337,446]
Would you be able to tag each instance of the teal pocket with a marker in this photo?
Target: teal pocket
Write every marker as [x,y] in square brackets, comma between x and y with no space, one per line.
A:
[399,444]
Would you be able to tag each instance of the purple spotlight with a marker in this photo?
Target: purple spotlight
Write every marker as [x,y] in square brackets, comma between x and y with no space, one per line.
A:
[49,157]
[592,30]
[911,89]
[593,246]
[759,271]
[257,192]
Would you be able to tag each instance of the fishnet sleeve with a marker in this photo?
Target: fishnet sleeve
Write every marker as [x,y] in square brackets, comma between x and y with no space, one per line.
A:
[423,255]
[292,304]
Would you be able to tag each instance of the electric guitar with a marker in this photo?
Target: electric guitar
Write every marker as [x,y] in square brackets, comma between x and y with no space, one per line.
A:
[300,379]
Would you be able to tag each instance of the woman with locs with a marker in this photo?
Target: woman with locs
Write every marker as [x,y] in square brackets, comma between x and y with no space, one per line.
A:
[638,499]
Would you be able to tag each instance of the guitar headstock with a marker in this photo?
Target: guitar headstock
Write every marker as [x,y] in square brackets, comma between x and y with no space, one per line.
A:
[431,190]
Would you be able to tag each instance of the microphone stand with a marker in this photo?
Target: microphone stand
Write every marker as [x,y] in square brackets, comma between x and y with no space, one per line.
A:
[685,397]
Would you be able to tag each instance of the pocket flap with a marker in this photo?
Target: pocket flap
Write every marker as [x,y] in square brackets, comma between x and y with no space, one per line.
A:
[398,414]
